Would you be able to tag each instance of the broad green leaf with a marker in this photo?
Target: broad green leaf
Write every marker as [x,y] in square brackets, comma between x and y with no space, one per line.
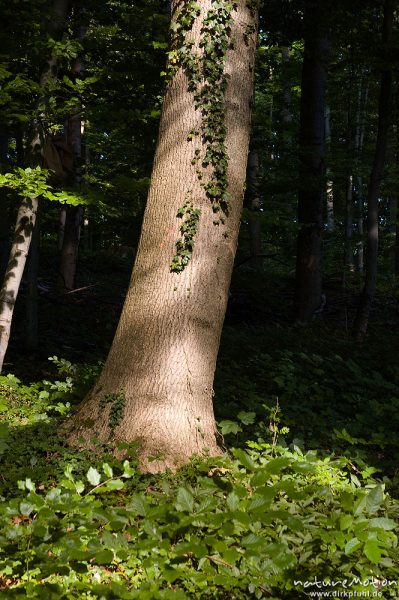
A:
[104,557]
[383,523]
[276,465]
[229,427]
[372,551]
[345,522]
[108,472]
[233,501]
[185,500]
[375,498]
[114,484]
[353,545]
[247,418]
[244,458]
[138,505]
[93,476]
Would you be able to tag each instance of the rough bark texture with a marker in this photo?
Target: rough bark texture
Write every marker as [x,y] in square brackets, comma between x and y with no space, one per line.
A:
[163,357]
[311,187]
[384,113]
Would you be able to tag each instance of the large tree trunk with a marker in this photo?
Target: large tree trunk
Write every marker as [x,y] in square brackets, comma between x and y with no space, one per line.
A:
[384,113]
[26,217]
[160,368]
[308,285]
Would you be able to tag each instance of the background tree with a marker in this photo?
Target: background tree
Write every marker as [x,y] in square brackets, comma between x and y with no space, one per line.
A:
[384,113]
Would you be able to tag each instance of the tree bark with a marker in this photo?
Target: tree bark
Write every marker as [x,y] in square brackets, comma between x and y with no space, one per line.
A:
[349,265]
[70,247]
[26,217]
[74,214]
[162,361]
[384,114]
[308,285]
[359,141]
[4,221]
[360,225]
[255,225]
[329,183]
[32,296]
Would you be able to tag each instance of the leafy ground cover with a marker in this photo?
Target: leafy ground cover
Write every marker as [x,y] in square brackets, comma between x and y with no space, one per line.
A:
[305,496]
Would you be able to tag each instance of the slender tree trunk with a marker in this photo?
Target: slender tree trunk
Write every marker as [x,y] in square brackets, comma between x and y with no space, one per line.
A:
[61,227]
[359,140]
[70,246]
[32,297]
[360,225]
[161,365]
[330,183]
[396,239]
[393,218]
[384,113]
[255,225]
[349,264]
[287,98]
[26,217]
[397,249]
[74,214]
[4,221]
[308,285]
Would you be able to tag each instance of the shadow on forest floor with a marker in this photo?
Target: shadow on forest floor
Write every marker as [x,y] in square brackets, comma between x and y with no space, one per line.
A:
[335,396]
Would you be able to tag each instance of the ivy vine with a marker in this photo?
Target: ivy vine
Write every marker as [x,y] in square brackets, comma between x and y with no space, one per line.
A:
[188,229]
[118,403]
[207,80]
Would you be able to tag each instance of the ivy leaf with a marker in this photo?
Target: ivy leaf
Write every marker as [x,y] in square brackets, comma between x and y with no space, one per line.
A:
[93,476]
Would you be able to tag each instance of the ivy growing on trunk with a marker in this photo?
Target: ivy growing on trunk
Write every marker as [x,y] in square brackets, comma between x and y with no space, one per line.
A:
[207,80]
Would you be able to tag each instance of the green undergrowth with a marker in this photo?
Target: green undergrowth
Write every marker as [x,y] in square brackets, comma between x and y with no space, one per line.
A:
[301,499]
[333,395]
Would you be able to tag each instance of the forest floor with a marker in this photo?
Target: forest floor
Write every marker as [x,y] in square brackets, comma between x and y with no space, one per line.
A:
[309,397]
